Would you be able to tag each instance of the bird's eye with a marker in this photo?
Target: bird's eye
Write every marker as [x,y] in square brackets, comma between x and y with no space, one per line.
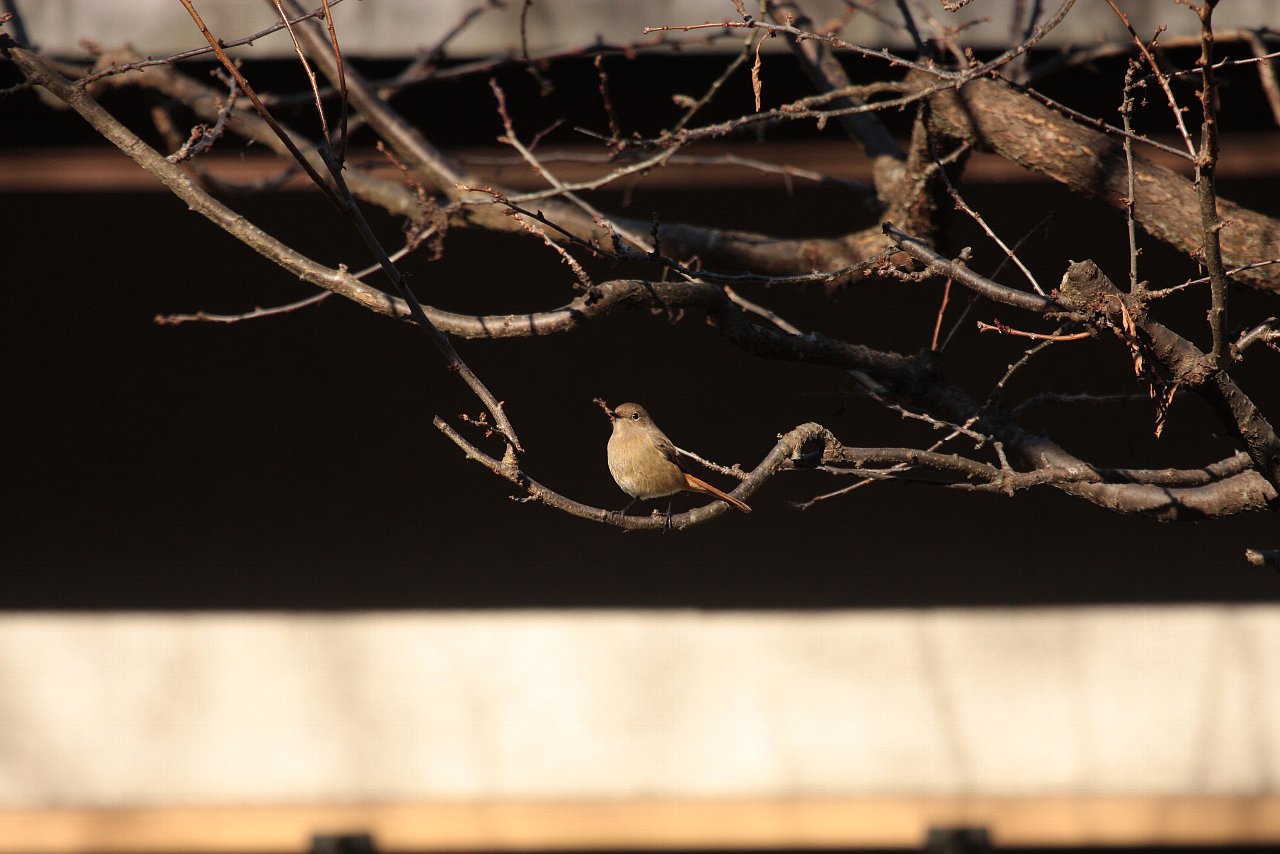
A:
[635,416]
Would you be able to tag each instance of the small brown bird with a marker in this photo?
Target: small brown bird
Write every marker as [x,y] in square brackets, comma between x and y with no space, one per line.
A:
[646,464]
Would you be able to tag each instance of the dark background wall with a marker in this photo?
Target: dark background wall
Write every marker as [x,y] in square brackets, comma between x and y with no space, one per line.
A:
[291,462]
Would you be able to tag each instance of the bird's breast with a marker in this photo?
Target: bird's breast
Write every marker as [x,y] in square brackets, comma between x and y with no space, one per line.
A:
[640,468]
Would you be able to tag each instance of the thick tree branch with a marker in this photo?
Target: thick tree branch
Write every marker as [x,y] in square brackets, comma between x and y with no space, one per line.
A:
[409,143]
[732,249]
[819,62]
[998,118]
[172,177]
[973,474]
[207,103]
[1239,493]
[1086,289]
[912,385]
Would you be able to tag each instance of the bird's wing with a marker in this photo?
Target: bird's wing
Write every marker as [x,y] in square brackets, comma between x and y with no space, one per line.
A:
[668,449]
[681,455]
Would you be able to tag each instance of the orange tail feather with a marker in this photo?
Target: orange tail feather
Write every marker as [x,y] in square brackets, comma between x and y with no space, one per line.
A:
[699,485]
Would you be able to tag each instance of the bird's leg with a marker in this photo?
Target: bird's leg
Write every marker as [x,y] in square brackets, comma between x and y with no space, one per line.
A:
[667,527]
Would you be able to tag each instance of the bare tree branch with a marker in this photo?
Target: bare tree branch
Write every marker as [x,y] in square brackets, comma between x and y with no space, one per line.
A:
[958,109]
[996,118]
[1086,289]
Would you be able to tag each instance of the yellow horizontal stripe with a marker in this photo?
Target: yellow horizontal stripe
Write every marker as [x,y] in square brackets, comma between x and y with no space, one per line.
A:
[527,826]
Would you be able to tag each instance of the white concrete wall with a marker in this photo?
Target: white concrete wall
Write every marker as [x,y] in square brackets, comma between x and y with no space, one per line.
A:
[225,708]
[401,27]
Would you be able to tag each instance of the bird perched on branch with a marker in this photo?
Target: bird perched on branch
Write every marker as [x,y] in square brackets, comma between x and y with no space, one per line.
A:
[646,464]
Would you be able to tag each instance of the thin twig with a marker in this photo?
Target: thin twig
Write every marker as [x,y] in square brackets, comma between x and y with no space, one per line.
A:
[256,313]
[1034,336]
[1160,76]
[981,69]
[962,205]
[1206,187]
[139,65]
[428,59]
[311,75]
[973,298]
[1130,200]
[942,308]
[691,107]
[512,140]
[1266,72]
[536,229]
[760,311]
[997,390]
[1157,293]
[1078,397]
[329,192]
[340,150]
[202,136]
[615,130]
[341,196]
[790,112]
[544,85]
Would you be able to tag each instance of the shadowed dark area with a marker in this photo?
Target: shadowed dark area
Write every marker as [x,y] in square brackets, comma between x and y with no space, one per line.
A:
[290,462]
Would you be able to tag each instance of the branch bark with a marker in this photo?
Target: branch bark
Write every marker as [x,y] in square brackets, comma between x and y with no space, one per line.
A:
[996,117]
[784,452]
[987,112]
[1086,289]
